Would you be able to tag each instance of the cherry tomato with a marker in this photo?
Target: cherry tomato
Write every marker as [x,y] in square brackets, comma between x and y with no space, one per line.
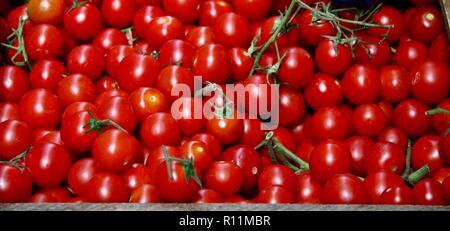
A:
[442,174]
[312,32]
[46,11]
[440,121]
[40,108]
[137,70]
[47,74]
[114,57]
[292,107]
[160,129]
[378,182]
[426,150]
[80,173]
[105,84]
[425,24]
[440,49]
[394,135]
[108,38]
[16,185]
[176,52]
[428,192]
[309,190]
[17,13]
[14,83]
[60,193]
[388,15]
[331,58]
[241,63]
[409,116]
[162,29]
[44,41]
[198,151]
[42,198]
[373,51]
[137,176]
[359,146]
[172,78]
[330,157]
[87,60]
[83,22]
[283,40]
[76,88]
[385,156]
[394,83]
[304,129]
[15,139]
[224,177]
[231,30]
[142,18]
[368,120]
[297,68]
[361,84]
[410,53]
[345,189]
[118,13]
[277,175]
[107,188]
[397,195]
[253,133]
[77,107]
[8,111]
[329,122]
[146,101]
[214,146]
[226,130]
[430,81]
[212,63]
[211,10]
[189,115]
[200,36]
[48,164]
[186,11]
[119,110]
[253,10]
[207,196]
[276,195]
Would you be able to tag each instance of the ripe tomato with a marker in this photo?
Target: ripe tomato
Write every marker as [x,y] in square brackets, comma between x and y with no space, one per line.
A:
[410,53]
[231,30]
[105,84]
[292,107]
[224,177]
[253,133]
[211,10]
[108,38]
[107,188]
[428,192]
[275,195]
[394,135]
[176,189]
[145,194]
[40,108]
[60,193]
[160,129]
[241,63]
[77,107]
[83,22]
[394,83]
[172,78]
[162,29]
[430,81]
[361,84]
[8,111]
[207,196]
[283,40]
[76,88]
[80,173]
[15,138]
[440,49]
[253,10]
[46,11]
[16,185]
[118,13]
[297,68]
[48,164]
[212,63]
[331,58]
[146,101]
[74,133]
[426,150]
[388,15]
[385,156]
[142,18]
[137,176]
[42,198]
[214,146]
[17,13]
[379,181]
[248,160]
[345,189]
[87,60]
[176,52]
[200,36]
[323,91]
[329,123]
[44,41]
[119,110]
[368,120]
[226,130]
[47,74]
[409,116]
[198,151]
[278,175]
[309,190]
[330,157]
[14,83]
[425,24]
[312,32]
[397,195]
[137,70]
[440,121]
[186,11]
[114,57]
[359,146]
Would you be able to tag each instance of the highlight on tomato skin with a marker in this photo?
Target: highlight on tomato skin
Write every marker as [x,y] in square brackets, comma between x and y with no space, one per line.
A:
[224,101]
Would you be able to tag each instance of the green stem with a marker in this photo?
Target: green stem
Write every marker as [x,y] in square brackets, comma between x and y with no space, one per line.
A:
[98,125]
[286,162]
[408,161]
[168,159]
[303,165]
[437,111]
[418,175]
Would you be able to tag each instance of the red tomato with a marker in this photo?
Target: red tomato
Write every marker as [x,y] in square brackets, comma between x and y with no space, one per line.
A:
[176,52]
[211,141]
[16,185]
[114,57]
[212,63]
[40,108]
[137,70]
[198,151]
[241,63]
[107,188]
[283,40]
[80,173]
[304,129]
[331,58]
[440,121]
[190,119]
[200,36]
[15,138]
[330,157]
[309,190]
[251,9]
[329,123]
[172,78]
[137,176]
[345,189]
[145,194]
[105,84]
[87,60]
[425,24]
[14,83]
[426,150]
[146,101]
[8,111]
[359,147]
[397,195]
[368,120]
[143,17]
[312,32]
[17,13]
[410,53]
[207,196]
[46,11]
[388,15]
[119,110]
[44,41]
[361,84]
[77,107]
[211,10]
[428,192]
[394,135]
[60,193]
[76,88]
[162,29]
[226,130]
[292,107]
[47,74]
[224,177]
[297,68]
[385,156]
[83,22]
[379,181]
[42,198]
[48,164]
[231,30]
[187,11]
[440,49]
[275,195]
[430,81]
[305,148]
[108,38]
[160,129]
[118,13]
[253,133]
[278,175]
[394,83]
[409,116]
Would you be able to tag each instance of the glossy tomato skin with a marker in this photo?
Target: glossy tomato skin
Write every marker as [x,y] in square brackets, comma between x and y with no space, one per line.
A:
[200,36]
[332,59]
[80,173]
[145,194]
[40,108]
[142,18]
[190,119]
[137,70]
[361,84]
[211,141]
[394,135]
[14,84]
[118,13]
[359,146]
[426,23]
[198,151]
[146,101]
[283,40]
[428,192]
[312,33]
[378,182]
[277,175]
[175,52]
[329,123]
[241,63]
[105,84]
[107,188]
[430,81]
[253,133]
[426,150]
[409,53]
[83,22]
[297,68]
[385,156]
[46,11]
[15,139]
[231,30]
[394,83]
[212,63]
[226,130]
[388,15]
[292,107]
[47,74]
[160,129]
[253,10]
[368,120]
[409,116]
[77,107]
[275,195]
[309,190]
[87,60]
[42,198]
[114,57]
[177,189]
[108,38]
[8,110]
[440,121]
[187,11]
[16,184]
[330,157]
[162,29]
[137,176]
[211,10]
[76,88]
[60,193]
[48,164]
[345,189]
[440,49]
[207,196]
[170,80]
[44,41]
[224,177]
[397,195]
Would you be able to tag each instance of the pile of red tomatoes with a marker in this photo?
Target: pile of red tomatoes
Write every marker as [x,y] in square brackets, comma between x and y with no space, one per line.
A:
[85,103]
